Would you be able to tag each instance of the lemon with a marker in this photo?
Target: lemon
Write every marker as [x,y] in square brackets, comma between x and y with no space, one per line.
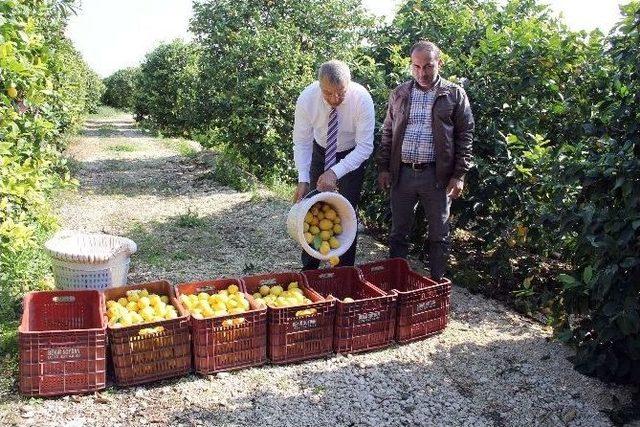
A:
[143,302]
[12,92]
[171,315]
[223,292]
[314,230]
[233,289]
[314,221]
[155,300]
[232,304]
[164,299]
[257,295]
[326,207]
[143,292]
[292,285]
[305,227]
[265,290]
[334,243]
[123,302]
[325,224]
[276,290]
[337,228]
[325,235]
[133,296]
[330,214]
[308,217]
[111,303]
[160,310]
[325,248]
[308,237]
[320,215]
[132,306]
[337,220]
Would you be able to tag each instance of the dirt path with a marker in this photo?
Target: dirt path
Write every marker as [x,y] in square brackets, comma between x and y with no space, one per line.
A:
[490,367]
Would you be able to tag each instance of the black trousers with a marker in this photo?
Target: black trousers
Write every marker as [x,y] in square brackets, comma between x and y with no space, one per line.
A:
[414,185]
[349,186]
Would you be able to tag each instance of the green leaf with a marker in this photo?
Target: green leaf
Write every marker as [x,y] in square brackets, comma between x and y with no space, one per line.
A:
[568,281]
[587,275]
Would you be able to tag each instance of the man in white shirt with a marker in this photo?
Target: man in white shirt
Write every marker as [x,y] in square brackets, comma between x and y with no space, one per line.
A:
[333,138]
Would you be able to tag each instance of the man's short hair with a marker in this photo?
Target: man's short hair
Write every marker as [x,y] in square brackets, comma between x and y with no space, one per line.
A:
[335,73]
[425,46]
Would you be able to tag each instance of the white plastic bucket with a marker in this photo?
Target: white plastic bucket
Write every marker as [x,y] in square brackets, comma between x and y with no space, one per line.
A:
[89,261]
[295,222]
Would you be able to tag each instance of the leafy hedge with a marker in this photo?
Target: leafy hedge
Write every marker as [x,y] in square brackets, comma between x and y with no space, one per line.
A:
[166,87]
[604,291]
[45,87]
[120,89]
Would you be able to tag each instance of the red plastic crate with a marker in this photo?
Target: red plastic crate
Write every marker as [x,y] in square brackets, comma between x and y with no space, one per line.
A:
[218,347]
[139,359]
[365,324]
[423,304]
[62,343]
[294,338]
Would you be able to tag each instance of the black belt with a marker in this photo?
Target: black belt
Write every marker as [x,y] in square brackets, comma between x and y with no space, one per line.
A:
[418,166]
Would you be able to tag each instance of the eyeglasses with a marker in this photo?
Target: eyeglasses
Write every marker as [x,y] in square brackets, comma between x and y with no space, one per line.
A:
[334,93]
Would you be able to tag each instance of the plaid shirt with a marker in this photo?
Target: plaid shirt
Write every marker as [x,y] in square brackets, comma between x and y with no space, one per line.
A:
[417,145]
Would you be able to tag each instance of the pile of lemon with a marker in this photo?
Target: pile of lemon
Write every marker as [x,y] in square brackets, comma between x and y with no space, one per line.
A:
[321,225]
[222,303]
[139,307]
[276,296]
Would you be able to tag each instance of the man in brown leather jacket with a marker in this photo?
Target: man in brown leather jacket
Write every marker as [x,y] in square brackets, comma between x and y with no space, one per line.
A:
[424,153]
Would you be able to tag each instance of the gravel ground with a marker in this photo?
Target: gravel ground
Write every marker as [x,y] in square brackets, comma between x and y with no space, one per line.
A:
[490,367]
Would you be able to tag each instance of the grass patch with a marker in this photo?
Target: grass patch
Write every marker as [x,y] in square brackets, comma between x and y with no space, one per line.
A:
[282,190]
[151,250]
[190,219]
[122,148]
[105,111]
[182,146]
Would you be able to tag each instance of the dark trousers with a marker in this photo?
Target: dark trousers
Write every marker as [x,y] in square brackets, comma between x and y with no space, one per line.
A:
[349,186]
[414,185]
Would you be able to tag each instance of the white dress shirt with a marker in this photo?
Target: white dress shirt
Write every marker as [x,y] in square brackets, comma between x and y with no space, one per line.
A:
[356,123]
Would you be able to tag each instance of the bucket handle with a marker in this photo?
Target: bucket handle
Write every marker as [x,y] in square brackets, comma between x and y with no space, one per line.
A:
[311,193]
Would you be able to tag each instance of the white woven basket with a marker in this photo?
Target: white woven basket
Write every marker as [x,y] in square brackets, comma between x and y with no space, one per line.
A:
[89,261]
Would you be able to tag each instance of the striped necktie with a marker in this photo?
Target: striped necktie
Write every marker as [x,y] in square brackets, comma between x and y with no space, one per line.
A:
[332,140]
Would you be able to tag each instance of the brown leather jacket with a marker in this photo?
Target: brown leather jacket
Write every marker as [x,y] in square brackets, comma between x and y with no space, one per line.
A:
[452,131]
